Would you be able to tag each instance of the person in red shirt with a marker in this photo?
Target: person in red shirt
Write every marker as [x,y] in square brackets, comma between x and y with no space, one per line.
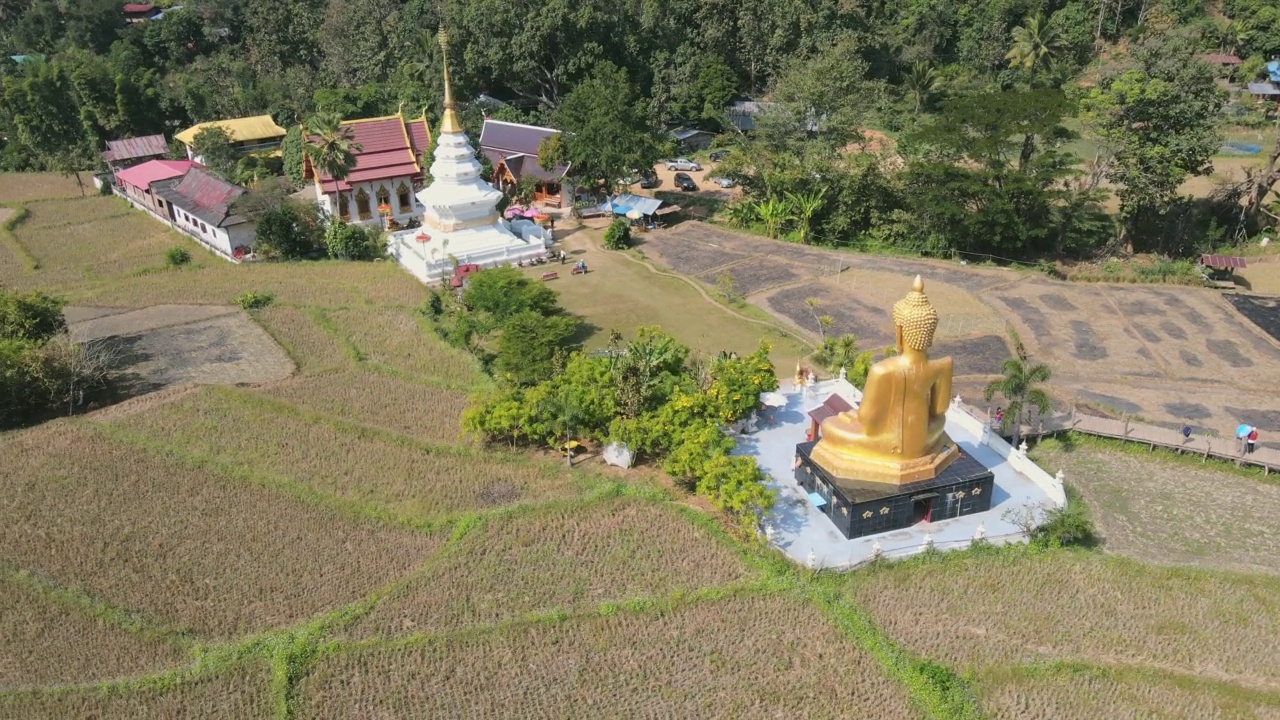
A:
[1253,438]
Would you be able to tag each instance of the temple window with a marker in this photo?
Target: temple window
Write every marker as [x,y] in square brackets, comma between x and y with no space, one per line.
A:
[402,194]
[384,196]
[344,207]
[362,205]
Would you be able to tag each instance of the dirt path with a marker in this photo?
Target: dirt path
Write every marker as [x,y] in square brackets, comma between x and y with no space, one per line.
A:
[5,214]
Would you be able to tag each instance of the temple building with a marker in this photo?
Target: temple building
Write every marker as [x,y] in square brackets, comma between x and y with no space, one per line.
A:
[889,463]
[460,220]
[388,171]
[121,154]
[248,135]
[512,149]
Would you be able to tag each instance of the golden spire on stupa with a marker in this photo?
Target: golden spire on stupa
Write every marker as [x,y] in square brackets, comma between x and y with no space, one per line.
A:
[449,122]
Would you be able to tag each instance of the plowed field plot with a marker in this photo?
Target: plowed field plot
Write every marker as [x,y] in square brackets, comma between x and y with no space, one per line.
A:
[694,662]
[313,349]
[759,274]
[1081,607]
[182,545]
[234,427]
[1143,513]
[166,345]
[558,560]
[396,340]
[424,412]
[46,642]
[688,256]
[1261,310]
[237,694]
[1090,693]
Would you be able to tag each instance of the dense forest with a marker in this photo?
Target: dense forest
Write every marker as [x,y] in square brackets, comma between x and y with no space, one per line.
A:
[986,102]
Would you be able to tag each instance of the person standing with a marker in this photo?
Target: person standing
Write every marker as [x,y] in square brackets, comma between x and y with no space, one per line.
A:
[1252,438]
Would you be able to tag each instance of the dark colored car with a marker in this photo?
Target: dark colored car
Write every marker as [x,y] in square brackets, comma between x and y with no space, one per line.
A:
[718,155]
[648,181]
[684,182]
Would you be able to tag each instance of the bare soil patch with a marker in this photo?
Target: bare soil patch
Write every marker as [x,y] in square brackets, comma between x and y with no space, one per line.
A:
[745,657]
[167,345]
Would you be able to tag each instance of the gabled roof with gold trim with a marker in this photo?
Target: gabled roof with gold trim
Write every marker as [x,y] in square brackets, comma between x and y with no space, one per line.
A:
[390,147]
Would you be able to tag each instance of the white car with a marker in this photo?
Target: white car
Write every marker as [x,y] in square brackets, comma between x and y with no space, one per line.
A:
[683,164]
[723,182]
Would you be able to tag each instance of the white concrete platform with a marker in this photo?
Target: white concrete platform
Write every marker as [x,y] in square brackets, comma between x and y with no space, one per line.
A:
[807,536]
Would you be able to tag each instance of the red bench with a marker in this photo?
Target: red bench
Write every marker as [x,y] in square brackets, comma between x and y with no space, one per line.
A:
[550,275]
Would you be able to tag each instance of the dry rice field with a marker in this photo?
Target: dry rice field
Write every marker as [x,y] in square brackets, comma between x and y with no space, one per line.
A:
[44,642]
[239,693]
[1097,693]
[1082,607]
[183,545]
[335,524]
[743,657]
[406,479]
[312,349]
[603,553]
[424,412]
[25,187]
[395,339]
[1153,507]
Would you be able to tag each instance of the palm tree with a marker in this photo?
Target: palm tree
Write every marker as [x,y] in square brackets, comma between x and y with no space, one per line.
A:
[804,206]
[1035,44]
[773,213]
[1020,386]
[1234,37]
[329,147]
[921,82]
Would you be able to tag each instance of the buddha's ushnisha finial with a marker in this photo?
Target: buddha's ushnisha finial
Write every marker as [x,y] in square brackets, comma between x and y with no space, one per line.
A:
[449,122]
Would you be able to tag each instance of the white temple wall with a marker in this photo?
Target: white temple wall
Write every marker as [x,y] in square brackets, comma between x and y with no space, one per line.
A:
[328,199]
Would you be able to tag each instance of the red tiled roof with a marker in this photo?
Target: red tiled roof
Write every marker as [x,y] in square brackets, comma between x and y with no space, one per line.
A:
[1222,261]
[390,147]
[204,195]
[830,407]
[138,7]
[141,176]
[130,148]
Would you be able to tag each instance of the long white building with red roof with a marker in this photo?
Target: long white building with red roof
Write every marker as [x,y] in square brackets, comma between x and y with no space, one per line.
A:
[387,174]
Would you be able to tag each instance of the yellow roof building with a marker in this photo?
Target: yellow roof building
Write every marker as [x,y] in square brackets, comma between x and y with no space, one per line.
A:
[246,129]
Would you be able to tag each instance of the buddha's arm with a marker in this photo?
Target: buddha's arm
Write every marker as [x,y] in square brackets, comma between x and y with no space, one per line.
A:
[942,388]
[873,413]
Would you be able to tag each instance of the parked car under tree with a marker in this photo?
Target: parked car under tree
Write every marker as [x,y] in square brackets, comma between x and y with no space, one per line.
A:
[684,182]
[683,164]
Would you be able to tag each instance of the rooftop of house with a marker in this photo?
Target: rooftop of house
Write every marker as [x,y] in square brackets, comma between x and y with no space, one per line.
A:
[132,148]
[137,8]
[515,145]
[203,195]
[246,129]
[141,176]
[390,147]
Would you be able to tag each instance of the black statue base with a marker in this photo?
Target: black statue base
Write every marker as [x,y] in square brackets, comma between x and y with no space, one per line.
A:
[859,507]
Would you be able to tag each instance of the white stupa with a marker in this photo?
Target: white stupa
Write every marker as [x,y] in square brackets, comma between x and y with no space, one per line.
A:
[461,224]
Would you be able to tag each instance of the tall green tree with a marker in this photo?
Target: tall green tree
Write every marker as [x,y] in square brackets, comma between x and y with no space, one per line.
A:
[920,82]
[330,147]
[830,91]
[803,208]
[46,119]
[213,146]
[1036,44]
[1158,125]
[354,38]
[607,133]
[1021,385]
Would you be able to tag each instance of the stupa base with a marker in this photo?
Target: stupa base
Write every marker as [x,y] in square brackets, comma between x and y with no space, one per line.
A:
[860,507]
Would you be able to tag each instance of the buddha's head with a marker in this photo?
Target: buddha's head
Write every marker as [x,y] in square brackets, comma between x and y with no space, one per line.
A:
[915,319]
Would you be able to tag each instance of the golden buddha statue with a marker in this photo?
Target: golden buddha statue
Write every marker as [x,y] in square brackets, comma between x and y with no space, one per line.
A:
[896,435]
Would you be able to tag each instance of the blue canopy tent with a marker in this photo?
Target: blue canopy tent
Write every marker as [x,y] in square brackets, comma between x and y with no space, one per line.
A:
[625,203]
